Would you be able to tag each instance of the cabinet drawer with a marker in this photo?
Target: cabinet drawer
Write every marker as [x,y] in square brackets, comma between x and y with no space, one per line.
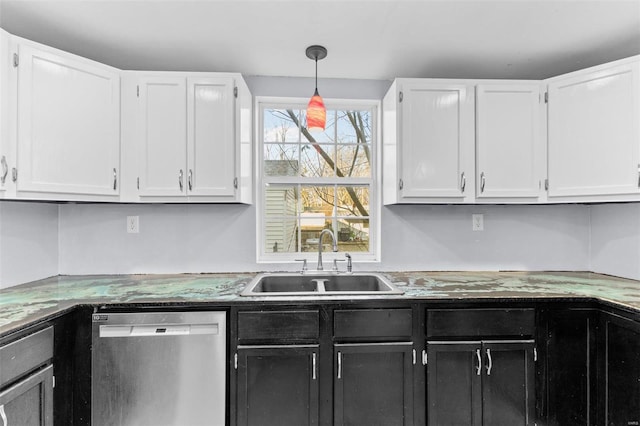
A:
[26,354]
[278,326]
[373,324]
[442,323]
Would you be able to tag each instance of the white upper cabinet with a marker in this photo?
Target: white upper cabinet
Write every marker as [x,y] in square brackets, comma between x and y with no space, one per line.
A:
[428,142]
[510,159]
[162,138]
[211,145]
[5,156]
[191,134]
[594,133]
[68,117]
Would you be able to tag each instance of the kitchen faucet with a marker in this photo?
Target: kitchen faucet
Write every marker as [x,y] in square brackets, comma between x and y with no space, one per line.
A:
[335,246]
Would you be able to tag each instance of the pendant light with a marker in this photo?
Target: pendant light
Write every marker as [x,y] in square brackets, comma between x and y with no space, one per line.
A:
[316,112]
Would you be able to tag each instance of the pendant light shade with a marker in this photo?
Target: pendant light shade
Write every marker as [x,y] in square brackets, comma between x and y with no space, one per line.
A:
[316,111]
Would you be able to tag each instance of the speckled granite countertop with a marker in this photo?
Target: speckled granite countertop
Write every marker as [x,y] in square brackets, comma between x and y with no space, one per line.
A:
[28,303]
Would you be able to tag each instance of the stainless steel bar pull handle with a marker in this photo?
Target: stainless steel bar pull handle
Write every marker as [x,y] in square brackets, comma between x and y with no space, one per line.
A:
[339,365]
[3,415]
[482,182]
[180,175]
[115,179]
[5,169]
[190,180]
[479,367]
[463,182]
[489,362]
[313,361]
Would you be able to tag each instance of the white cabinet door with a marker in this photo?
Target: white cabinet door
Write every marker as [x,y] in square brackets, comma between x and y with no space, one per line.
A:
[5,68]
[211,137]
[68,124]
[594,132]
[162,137]
[436,141]
[509,151]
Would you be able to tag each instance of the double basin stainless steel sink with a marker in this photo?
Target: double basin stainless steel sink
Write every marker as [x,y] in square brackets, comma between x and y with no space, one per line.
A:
[319,283]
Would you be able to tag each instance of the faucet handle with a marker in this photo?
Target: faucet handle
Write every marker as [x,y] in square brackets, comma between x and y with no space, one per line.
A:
[349,263]
[335,264]
[304,264]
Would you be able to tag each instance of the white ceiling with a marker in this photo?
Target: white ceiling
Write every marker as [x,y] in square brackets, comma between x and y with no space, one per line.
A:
[365,39]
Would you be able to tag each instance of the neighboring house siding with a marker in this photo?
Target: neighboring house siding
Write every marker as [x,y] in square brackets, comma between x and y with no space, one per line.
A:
[280,235]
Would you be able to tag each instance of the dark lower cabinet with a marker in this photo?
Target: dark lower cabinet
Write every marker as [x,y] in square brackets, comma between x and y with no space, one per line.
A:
[489,383]
[30,401]
[454,385]
[277,386]
[571,367]
[26,380]
[373,384]
[622,372]
[508,386]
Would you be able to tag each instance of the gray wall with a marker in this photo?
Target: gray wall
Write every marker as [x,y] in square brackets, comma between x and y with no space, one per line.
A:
[615,239]
[28,242]
[220,238]
[39,239]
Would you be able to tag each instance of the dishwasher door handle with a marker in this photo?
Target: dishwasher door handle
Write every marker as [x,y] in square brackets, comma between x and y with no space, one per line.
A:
[157,330]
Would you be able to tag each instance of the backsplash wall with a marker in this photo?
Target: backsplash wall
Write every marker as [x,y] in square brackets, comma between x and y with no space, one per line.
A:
[615,239]
[515,237]
[221,238]
[38,240]
[28,242]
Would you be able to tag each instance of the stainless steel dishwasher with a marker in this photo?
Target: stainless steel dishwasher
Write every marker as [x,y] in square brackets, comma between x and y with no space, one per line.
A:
[158,368]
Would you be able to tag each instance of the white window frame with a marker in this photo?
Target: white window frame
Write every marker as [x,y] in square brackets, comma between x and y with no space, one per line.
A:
[375,189]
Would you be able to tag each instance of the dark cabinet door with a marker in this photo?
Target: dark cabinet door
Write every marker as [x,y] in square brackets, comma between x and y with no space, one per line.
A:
[570,366]
[277,386]
[622,372]
[454,383]
[508,383]
[373,384]
[488,383]
[30,401]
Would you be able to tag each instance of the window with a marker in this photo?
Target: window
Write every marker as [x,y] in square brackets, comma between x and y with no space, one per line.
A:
[308,182]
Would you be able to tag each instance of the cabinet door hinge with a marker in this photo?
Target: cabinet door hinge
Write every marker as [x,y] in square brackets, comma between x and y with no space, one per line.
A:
[546,97]
[400,97]
[53,381]
[138,91]
[16,60]
[235,361]
[235,92]
[535,355]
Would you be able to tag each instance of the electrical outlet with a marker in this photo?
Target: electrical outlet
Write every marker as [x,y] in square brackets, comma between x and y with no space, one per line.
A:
[477,222]
[133,224]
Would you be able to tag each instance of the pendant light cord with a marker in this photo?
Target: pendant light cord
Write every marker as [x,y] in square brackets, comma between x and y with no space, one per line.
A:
[316,73]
